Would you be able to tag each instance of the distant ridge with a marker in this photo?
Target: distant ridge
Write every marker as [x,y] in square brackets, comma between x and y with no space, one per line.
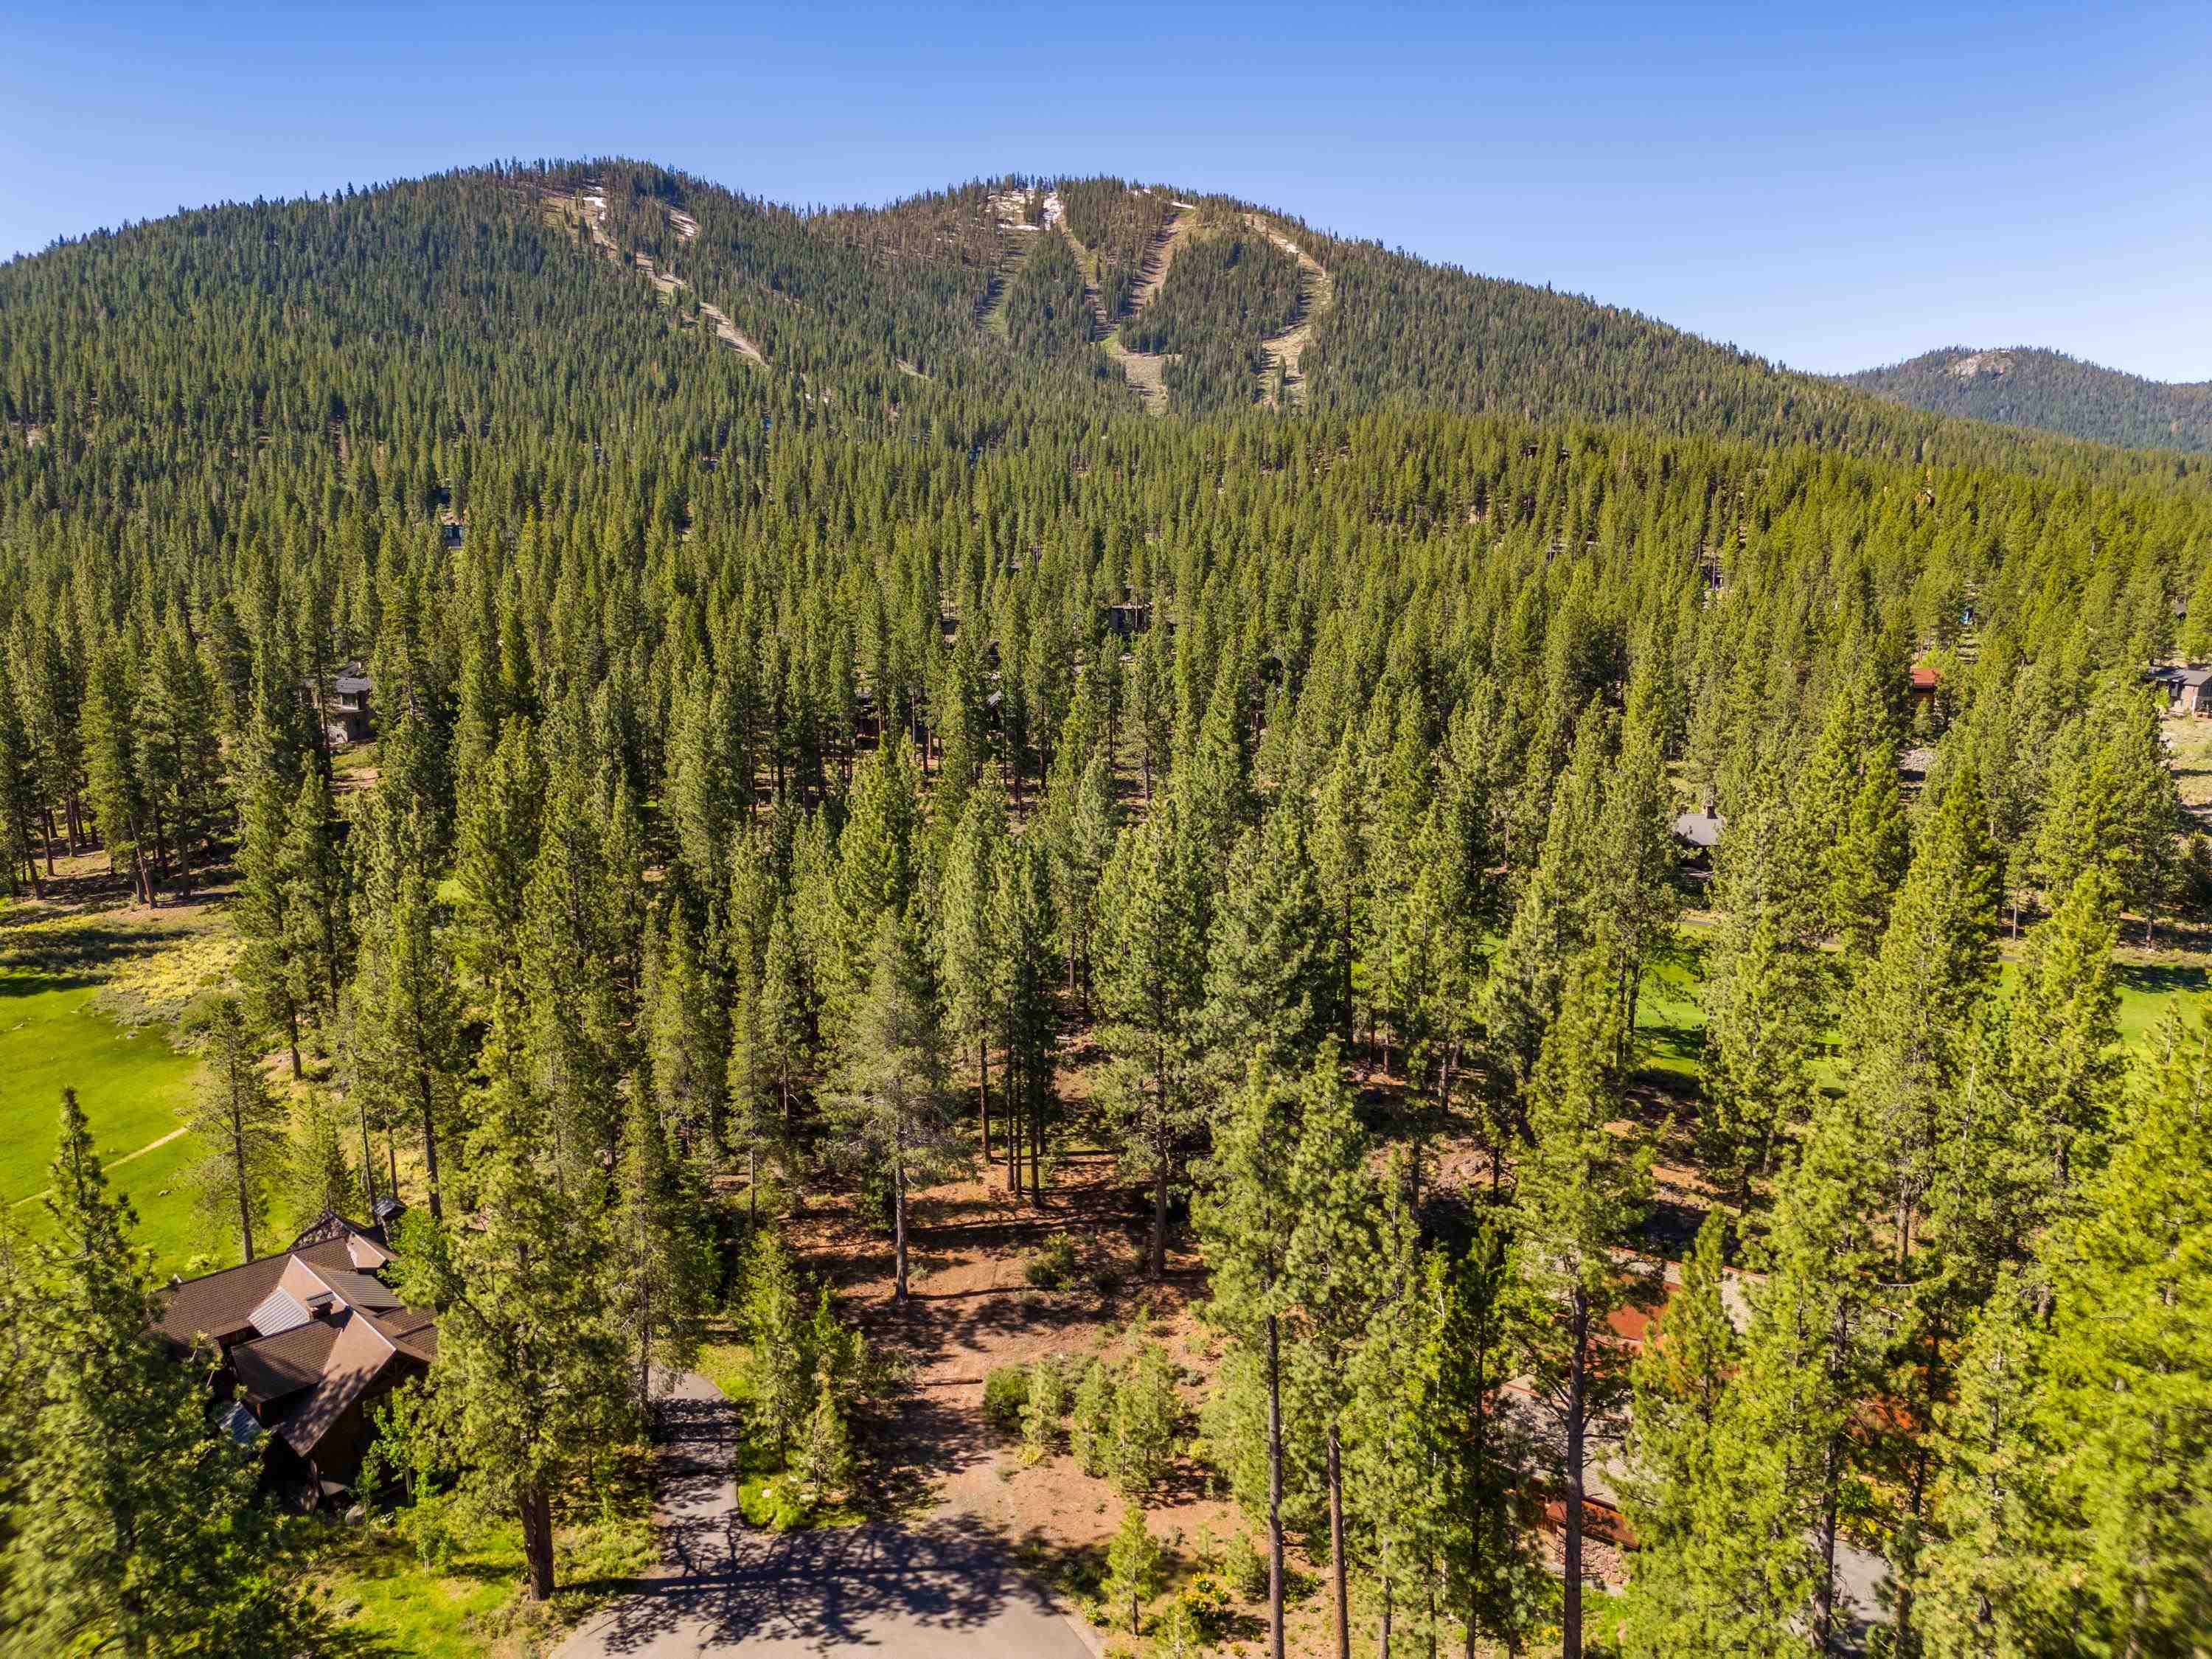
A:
[2027,386]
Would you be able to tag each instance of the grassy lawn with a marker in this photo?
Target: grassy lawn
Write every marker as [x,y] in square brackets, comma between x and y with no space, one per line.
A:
[86,997]
[760,1471]
[468,1604]
[1671,1021]
[381,1590]
[130,1082]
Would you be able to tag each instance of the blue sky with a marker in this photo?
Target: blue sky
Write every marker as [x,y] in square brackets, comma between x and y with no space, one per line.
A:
[1833,185]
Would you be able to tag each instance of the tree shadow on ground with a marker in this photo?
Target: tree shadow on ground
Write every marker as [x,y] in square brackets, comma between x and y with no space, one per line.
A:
[2162,978]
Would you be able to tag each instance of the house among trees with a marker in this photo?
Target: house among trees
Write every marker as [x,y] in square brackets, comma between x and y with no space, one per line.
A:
[2184,688]
[307,1340]
[346,715]
[1925,677]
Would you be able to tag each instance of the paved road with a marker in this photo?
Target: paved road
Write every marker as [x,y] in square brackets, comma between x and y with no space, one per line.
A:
[938,1590]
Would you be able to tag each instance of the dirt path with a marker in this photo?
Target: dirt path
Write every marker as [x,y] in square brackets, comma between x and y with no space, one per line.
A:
[1146,370]
[1020,240]
[1282,352]
[154,1145]
[593,208]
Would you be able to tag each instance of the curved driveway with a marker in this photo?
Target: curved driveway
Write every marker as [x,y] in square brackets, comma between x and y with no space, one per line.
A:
[937,1590]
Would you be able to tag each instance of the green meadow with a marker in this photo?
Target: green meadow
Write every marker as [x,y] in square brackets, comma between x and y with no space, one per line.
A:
[130,1079]
[1670,1018]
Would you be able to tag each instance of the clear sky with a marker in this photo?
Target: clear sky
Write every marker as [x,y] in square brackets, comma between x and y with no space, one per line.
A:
[1837,185]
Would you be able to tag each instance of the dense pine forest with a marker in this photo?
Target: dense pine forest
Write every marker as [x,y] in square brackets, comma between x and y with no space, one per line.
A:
[890,753]
[2021,386]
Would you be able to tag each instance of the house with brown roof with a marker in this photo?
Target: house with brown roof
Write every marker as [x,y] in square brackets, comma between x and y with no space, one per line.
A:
[307,1341]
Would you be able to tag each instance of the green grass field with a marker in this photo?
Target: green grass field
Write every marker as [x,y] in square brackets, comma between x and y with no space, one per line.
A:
[60,969]
[131,1083]
[1671,1021]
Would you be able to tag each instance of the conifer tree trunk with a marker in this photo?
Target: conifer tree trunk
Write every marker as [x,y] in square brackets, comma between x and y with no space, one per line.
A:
[244,1193]
[429,1145]
[367,1155]
[1571,1611]
[1274,1489]
[1824,1598]
[1036,1115]
[898,1215]
[537,1513]
[1159,1264]
[1336,1544]
[983,1093]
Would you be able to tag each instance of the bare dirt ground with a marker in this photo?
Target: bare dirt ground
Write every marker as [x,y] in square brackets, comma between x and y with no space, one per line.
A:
[1317,293]
[591,210]
[940,1463]
[1146,371]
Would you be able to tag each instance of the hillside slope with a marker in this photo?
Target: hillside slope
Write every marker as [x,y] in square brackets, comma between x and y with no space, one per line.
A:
[2024,385]
[578,287]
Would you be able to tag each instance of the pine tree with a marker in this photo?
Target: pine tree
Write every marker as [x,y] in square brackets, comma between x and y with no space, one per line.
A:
[1249,1215]
[1763,983]
[1270,980]
[773,1325]
[876,869]
[1910,1025]
[1337,1257]
[1400,1468]
[1986,1589]
[239,1120]
[496,844]
[687,1037]
[664,1251]
[969,944]
[1812,1359]
[115,779]
[1577,1199]
[262,909]
[2133,1291]
[1465,1365]
[2061,1041]
[1028,1012]
[1707,1502]
[316,941]
[890,1098]
[136,1529]
[1090,1420]
[823,1464]
[1148,991]
[1132,1567]
[529,1361]
[769,1052]
[321,1176]
[1146,1413]
[406,1050]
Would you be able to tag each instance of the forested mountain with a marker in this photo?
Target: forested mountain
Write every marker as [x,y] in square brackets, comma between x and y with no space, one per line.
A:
[805,725]
[864,318]
[2022,386]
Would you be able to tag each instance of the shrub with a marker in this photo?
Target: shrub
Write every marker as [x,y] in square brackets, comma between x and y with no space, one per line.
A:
[1041,1415]
[1006,1393]
[1146,1413]
[1054,1265]
[428,1528]
[1244,1567]
[1090,1430]
[1206,1605]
